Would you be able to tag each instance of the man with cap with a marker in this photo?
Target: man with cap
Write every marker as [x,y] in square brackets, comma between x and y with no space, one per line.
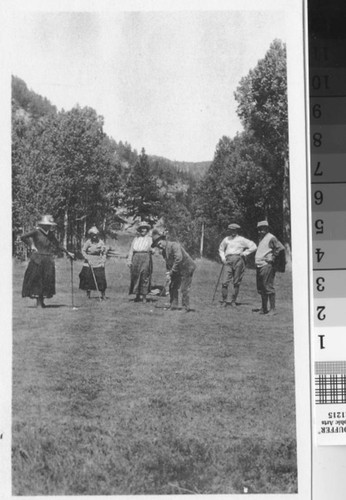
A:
[270,252]
[140,262]
[93,275]
[180,268]
[39,278]
[233,251]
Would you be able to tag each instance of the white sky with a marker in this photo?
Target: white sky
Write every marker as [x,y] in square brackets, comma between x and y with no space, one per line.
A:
[161,80]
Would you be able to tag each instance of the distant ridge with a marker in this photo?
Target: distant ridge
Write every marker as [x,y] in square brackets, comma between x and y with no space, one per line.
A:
[198,168]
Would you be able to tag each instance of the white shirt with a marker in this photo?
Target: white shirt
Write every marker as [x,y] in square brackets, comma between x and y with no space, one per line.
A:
[237,245]
[140,244]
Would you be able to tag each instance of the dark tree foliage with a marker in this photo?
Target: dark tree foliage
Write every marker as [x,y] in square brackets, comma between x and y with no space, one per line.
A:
[235,189]
[248,178]
[262,107]
[141,193]
[62,164]
[34,104]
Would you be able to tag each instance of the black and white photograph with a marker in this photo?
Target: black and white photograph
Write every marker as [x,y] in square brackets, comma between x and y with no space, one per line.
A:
[156,182]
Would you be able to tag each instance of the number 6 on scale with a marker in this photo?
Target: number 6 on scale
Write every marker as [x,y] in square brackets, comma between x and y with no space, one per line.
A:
[318,196]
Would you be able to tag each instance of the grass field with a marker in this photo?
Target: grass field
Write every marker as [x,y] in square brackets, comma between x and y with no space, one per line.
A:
[123,398]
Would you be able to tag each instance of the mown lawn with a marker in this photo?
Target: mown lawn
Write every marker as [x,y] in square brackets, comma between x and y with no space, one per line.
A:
[123,398]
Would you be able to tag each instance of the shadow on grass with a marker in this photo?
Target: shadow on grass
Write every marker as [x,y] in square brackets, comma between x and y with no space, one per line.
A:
[50,306]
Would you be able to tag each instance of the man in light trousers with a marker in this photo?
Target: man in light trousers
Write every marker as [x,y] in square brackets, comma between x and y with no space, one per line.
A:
[233,251]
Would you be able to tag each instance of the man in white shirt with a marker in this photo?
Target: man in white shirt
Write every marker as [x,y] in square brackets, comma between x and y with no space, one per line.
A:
[233,250]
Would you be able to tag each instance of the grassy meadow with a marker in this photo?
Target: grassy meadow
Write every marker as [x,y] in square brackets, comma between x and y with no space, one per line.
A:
[118,397]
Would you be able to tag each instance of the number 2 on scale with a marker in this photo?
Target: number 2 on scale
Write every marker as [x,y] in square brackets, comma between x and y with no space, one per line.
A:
[320,313]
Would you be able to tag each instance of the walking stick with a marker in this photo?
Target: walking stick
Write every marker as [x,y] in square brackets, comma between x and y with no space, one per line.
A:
[97,288]
[218,281]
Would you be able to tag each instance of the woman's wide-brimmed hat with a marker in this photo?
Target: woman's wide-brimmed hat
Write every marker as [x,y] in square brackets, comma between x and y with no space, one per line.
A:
[156,237]
[144,224]
[93,230]
[47,220]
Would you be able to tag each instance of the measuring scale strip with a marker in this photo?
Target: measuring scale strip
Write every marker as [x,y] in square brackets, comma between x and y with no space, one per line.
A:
[327,85]
[329,284]
[327,82]
[328,110]
[328,168]
[329,255]
[328,138]
[329,226]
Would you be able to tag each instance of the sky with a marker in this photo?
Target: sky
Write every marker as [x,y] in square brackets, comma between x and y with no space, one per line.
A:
[164,80]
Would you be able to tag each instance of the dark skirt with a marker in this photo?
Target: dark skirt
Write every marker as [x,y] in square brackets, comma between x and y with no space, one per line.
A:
[141,270]
[87,282]
[39,277]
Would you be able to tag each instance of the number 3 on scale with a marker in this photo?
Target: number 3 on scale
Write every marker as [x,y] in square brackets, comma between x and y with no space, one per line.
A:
[320,284]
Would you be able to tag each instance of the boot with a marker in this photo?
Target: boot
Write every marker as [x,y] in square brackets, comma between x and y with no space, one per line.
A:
[40,302]
[272,311]
[88,294]
[235,295]
[144,299]
[264,309]
[224,293]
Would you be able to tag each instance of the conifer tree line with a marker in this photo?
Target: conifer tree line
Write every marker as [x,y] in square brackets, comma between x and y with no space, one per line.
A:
[63,163]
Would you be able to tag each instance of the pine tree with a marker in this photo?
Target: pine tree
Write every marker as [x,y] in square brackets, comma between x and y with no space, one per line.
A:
[142,195]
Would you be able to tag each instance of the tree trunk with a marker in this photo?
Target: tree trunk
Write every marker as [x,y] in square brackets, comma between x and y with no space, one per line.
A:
[286,210]
[104,228]
[202,241]
[65,229]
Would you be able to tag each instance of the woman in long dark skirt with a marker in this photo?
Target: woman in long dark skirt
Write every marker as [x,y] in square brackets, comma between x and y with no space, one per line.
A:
[39,277]
[93,275]
[140,263]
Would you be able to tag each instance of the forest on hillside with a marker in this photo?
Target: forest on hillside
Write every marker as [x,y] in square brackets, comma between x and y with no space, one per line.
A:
[63,163]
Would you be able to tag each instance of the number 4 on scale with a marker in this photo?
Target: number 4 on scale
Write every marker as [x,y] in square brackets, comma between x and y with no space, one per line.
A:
[319,254]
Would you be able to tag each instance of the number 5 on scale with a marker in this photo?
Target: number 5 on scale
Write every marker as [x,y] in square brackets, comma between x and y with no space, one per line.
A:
[319,226]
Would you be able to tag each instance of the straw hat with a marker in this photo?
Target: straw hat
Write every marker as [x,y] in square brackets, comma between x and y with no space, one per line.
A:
[144,224]
[93,230]
[47,220]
